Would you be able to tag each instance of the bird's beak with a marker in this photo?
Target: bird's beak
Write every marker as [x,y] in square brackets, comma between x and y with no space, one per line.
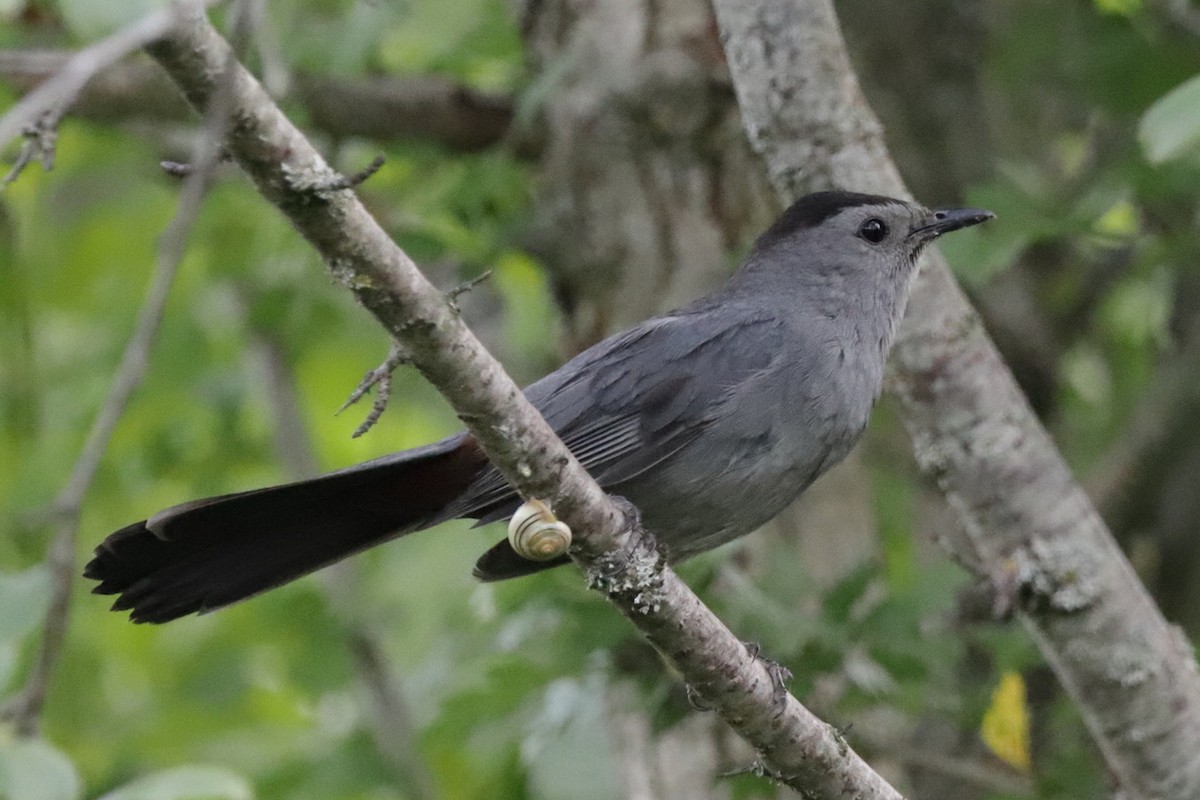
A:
[950,219]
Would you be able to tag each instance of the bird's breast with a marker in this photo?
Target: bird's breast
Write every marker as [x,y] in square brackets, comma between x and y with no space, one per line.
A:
[763,446]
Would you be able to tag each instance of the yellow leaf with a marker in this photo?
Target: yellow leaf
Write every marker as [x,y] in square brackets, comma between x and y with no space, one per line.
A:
[1005,728]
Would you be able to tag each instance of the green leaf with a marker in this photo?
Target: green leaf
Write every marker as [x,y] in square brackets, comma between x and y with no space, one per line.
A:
[839,603]
[191,782]
[30,769]
[1171,126]
[24,597]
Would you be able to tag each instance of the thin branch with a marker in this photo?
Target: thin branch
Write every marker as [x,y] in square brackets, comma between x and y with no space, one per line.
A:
[618,557]
[392,726]
[41,109]
[178,169]
[1166,405]
[466,286]
[276,74]
[1132,675]
[25,707]
[384,109]
[358,178]
[41,137]
[394,731]
[381,379]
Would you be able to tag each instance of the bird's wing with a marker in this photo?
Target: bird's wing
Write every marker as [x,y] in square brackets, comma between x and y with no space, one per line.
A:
[634,400]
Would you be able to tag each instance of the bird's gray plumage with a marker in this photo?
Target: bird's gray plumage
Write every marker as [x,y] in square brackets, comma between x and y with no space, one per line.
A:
[710,419]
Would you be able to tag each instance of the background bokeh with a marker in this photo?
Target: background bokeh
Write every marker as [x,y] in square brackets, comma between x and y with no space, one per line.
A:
[396,675]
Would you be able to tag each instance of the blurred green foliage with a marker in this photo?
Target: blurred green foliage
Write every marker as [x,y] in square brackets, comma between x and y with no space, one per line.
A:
[505,683]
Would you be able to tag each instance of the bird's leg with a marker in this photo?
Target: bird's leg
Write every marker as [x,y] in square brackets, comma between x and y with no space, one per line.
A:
[780,675]
[694,699]
[381,376]
[757,768]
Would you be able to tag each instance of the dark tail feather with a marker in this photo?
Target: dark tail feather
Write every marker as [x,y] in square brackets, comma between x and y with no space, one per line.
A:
[502,562]
[209,553]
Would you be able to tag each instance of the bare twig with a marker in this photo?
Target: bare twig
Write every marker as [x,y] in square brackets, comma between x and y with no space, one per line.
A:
[381,376]
[41,109]
[24,708]
[618,557]
[40,140]
[392,726]
[466,286]
[394,730]
[1132,675]
[358,178]
[385,109]
[177,169]
[276,75]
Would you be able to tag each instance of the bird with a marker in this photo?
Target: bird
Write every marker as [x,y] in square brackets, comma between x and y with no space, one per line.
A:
[709,419]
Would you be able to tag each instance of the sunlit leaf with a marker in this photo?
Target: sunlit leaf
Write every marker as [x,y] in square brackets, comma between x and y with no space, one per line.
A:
[1171,127]
[31,769]
[23,600]
[192,782]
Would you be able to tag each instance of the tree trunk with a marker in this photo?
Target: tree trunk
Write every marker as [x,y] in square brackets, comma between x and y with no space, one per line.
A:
[1029,526]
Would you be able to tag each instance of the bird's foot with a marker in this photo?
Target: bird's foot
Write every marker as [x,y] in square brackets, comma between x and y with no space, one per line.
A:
[779,674]
[758,769]
[381,376]
[694,699]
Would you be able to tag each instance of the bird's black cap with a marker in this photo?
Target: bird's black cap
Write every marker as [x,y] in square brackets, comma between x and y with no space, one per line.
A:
[813,209]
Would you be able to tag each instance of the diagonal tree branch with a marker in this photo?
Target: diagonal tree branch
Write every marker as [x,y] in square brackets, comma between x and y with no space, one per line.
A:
[618,558]
[1026,520]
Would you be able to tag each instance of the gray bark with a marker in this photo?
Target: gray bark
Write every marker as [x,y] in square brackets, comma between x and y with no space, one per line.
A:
[1029,527]
[645,182]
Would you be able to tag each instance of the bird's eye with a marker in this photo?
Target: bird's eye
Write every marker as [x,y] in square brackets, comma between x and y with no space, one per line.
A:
[873,230]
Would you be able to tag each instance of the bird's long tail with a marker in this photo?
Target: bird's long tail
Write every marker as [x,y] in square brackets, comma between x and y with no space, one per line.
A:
[209,553]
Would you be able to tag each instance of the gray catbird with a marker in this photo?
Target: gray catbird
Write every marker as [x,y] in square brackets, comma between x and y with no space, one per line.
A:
[710,419]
